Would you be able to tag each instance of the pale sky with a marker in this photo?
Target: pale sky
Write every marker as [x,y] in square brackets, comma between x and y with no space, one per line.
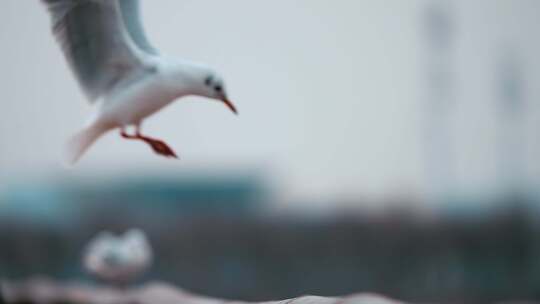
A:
[329,94]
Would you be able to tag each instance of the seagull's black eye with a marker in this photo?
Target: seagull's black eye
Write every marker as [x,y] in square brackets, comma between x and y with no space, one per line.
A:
[208,80]
[218,88]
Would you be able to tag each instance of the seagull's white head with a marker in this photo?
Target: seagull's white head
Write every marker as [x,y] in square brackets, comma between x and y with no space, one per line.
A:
[205,82]
[214,87]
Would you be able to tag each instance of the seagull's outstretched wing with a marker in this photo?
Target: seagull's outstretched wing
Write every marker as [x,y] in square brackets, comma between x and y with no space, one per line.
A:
[95,42]
[131,12]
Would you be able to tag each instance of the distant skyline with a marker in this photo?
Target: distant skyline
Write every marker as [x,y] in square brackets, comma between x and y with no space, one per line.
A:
[329,95]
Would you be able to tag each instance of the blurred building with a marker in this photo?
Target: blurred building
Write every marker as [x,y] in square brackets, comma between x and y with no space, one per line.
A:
[513,114]
[439,104]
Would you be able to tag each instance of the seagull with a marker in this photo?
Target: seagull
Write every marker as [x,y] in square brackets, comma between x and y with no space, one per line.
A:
[118,259]
[121,72]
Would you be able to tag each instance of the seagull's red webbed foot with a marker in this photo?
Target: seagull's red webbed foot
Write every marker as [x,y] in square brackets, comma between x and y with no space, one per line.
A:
[159,146]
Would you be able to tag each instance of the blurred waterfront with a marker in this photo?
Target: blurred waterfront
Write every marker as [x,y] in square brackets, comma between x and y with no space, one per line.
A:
[221,238]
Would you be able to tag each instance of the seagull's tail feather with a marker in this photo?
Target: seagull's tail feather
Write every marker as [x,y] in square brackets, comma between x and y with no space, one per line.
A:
[81,141]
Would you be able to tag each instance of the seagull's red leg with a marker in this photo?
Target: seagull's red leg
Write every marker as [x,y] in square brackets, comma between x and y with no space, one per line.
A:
[159,146]
[125,135]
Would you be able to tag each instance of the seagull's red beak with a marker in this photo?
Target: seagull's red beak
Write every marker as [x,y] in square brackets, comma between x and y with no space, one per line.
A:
[230,105]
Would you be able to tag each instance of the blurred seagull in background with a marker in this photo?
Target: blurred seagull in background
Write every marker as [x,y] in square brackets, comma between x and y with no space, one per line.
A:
[107,49]
[118,259]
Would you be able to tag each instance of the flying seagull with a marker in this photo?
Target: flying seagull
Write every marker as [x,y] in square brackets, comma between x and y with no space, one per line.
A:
[119,70]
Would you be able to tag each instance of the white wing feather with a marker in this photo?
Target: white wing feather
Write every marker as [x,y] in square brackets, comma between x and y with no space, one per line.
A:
[95,42]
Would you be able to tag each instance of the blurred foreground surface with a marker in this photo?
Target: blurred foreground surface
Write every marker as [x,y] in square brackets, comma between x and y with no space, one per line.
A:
[49,292]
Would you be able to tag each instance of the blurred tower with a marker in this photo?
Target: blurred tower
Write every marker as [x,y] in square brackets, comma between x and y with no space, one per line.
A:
[512,139]
[438,27]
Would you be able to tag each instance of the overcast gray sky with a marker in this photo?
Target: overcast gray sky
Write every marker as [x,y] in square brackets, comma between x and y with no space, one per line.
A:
[329,93]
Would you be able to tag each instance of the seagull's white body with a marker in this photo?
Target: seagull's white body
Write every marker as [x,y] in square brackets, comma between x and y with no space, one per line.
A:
[105,44]
[118,259]
[134,101]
